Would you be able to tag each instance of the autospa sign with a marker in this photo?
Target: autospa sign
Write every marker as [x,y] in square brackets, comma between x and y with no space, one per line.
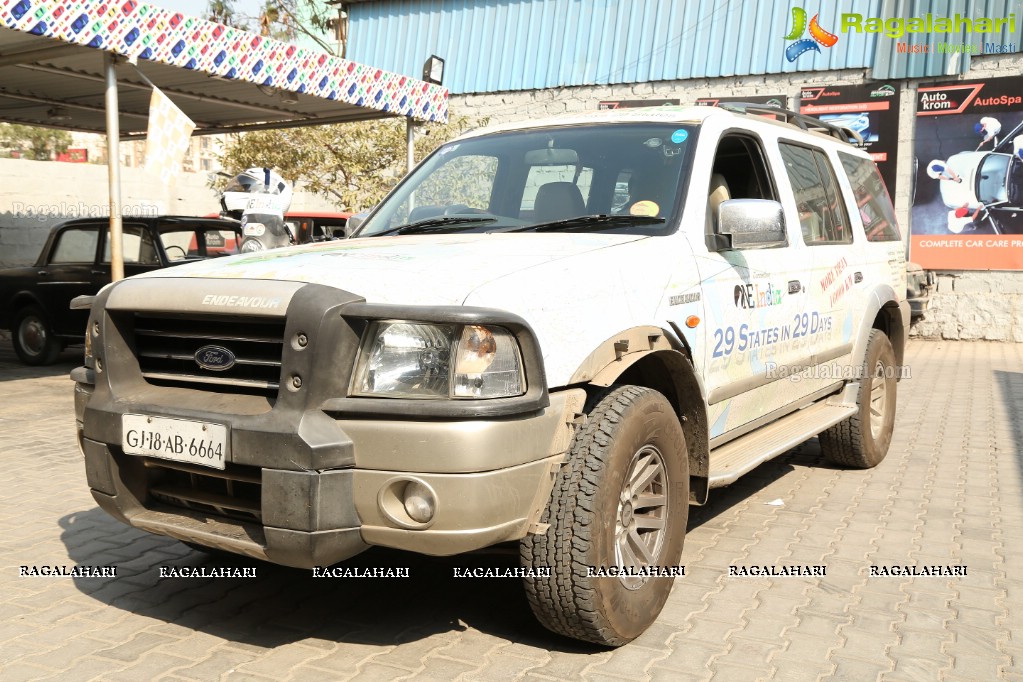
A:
[968,207]
[870,110]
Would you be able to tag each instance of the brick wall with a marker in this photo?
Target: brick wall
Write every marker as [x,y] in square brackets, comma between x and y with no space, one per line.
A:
[968,305]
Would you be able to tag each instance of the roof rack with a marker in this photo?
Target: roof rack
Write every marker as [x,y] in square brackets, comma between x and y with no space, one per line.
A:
[801,121]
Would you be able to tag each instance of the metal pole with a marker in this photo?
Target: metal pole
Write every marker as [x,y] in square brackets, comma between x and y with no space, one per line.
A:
[410,151]
[113,169]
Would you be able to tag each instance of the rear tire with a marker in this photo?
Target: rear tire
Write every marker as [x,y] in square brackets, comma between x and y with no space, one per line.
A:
[33,337]
[862,440]
[622,499]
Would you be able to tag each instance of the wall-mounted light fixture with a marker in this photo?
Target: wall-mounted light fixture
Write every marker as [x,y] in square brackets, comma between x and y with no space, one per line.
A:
[433,70]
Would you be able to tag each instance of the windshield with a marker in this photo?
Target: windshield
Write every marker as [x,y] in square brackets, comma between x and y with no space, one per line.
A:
[545,177]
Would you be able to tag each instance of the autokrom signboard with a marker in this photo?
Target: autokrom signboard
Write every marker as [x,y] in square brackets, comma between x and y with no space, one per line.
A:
[968,207]
[769,100]
[870,110]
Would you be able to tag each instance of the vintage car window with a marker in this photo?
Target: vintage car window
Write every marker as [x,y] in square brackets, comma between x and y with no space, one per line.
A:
[180,244]
[76,245]
[220,242]
[136,246]
[872,199]
[822,214]
[521,178]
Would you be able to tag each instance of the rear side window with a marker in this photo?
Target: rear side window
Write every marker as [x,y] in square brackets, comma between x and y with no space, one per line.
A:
[76,246]
[822,214]
[875,206]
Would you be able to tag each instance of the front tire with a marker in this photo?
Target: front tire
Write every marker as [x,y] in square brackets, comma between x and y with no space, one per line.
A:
[622,500]
[33,338]
[862,440]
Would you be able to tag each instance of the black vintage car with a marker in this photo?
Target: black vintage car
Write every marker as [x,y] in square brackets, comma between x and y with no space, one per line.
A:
[35,300]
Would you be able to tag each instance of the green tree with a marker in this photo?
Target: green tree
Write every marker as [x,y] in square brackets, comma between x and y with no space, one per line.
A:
[353,164]
[35,143]
[281,19]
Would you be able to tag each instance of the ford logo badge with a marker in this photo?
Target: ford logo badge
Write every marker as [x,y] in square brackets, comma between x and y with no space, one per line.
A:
[215,358]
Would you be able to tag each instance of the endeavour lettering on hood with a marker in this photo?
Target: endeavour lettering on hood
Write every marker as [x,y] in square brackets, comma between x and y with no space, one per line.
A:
[241,301]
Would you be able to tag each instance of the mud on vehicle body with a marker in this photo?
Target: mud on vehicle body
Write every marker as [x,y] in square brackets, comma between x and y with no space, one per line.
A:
[515,348]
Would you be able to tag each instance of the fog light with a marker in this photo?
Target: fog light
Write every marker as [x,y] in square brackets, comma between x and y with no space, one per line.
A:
[419,502]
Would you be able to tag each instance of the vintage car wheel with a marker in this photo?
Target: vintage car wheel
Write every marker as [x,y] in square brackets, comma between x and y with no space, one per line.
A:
[622,500]
[33,338]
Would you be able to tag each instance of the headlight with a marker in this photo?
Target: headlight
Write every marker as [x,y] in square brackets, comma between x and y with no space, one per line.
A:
[400,359]
[251,246]
[87,360]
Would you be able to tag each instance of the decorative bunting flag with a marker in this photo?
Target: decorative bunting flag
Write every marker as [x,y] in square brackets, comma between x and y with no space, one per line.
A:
[167,139]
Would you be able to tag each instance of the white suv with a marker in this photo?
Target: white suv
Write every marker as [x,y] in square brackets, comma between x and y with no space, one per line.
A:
[511,349]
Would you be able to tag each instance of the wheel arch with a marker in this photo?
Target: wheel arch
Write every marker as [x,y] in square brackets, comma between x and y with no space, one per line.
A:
[889,313]
[651,357]
[20,301]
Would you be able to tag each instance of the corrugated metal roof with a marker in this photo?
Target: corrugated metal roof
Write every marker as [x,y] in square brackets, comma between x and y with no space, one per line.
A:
[890,63]
[497,45]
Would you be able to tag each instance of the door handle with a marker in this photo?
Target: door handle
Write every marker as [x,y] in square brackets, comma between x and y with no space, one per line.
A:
[795,286]
[43,273]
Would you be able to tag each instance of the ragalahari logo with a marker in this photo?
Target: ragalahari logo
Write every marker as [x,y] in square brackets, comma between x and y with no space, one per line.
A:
[803,45]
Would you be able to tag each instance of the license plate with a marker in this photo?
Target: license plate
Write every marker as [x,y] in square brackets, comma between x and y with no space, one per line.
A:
[181,440]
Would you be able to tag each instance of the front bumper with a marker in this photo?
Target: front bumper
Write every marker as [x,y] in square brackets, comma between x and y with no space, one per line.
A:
[309,480]
[317,518]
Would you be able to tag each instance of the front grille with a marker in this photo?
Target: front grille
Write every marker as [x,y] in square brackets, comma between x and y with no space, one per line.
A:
[166,347]
[232,493]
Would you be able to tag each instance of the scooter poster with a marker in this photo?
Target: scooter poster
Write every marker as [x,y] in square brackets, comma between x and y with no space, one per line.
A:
[870,110]
[968,206]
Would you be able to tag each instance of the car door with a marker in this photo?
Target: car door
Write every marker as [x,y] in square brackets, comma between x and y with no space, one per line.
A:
[137,249]
[69,273]
[757,319]
[836,274]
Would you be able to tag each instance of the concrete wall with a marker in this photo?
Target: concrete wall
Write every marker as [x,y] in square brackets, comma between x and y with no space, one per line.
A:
[965,306]
[36,195]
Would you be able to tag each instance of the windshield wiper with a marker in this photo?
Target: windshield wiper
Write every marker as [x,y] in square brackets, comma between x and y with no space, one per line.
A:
[591,222]
[435,224]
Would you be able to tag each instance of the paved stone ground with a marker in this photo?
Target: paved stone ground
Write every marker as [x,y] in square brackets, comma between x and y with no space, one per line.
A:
[948,493]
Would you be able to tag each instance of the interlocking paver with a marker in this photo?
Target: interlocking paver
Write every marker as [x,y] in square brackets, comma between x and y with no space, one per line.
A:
[950,491]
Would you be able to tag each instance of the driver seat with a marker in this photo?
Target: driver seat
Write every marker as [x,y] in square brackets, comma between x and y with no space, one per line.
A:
[558,201]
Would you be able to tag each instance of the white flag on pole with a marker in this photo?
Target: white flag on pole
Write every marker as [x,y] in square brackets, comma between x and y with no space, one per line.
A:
[167,139]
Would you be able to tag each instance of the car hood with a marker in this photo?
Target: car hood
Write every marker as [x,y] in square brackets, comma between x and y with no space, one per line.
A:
[414,269]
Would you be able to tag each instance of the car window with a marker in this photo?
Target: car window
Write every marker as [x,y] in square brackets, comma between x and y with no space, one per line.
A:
[538,176]
[76,245]
[136,246]
[871,198]
[822,215]
[220,242]
[464,182]
[180,244]
[739,171]
[548,175]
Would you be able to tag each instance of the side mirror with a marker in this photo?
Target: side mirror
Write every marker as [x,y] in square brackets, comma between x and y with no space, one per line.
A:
[752,223]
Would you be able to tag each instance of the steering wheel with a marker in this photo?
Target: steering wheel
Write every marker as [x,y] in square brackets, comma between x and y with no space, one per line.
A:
[184,254]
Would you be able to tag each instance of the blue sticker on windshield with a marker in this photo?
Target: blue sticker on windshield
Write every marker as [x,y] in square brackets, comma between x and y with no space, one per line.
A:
[679,136]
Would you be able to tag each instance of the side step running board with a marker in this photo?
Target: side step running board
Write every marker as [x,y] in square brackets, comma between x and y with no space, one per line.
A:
[735,458]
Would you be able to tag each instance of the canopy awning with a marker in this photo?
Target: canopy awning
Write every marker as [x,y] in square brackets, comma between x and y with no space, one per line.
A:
[225,79]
